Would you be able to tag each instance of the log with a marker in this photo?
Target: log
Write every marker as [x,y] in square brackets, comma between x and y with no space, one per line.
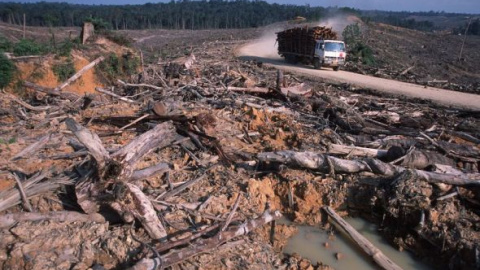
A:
[26,202]
[201,246]
[377,255]
[104,91]
[419,159]
[260,90]
[129,201]
[297,90]
[340,104]
[465,136]
[9,220]
[26,105]
[150,171]
[91,141]
[179,189]
[391,117]
[338,149]
[144,211]
[140,85]
[33,147]
[79,73]
[446,151]
[407,70]
[161,247]
[135,121]
[317,161]
[160,136]
[23,58]
[232,213]
[32,187]
[51,91]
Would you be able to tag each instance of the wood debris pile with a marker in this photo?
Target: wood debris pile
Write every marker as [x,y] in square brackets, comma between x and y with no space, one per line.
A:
[156,173]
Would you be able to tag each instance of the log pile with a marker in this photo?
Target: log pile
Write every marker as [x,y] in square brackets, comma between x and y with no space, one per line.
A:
[302,40]
[162,171]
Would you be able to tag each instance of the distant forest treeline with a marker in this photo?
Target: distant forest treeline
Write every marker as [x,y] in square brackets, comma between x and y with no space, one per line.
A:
[203,14]
[184,14]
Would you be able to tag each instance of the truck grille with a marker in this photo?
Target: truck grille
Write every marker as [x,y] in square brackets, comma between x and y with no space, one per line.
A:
[330,60]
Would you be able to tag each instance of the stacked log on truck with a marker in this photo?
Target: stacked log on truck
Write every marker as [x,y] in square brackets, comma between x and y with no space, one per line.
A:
[302,40]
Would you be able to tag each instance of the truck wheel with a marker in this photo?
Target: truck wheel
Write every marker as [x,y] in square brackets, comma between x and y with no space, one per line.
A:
[316,63]
[336,68]
[290,59]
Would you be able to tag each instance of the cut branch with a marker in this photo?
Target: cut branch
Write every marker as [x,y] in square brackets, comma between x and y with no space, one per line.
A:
[26,203]
[104,91]
[150,171]
[207,244]
[33,147]
[377,255]
[140,85]
[8,220]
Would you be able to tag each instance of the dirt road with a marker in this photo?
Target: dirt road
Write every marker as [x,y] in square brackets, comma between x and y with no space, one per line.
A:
[256,50]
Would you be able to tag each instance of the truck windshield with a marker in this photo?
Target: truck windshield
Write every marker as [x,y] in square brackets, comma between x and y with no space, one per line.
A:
[334,47]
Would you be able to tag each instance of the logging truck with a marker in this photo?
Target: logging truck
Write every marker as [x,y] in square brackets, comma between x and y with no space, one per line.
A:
[317,46]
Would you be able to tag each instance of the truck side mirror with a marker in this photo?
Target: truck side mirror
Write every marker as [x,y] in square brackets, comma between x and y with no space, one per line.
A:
[323,47]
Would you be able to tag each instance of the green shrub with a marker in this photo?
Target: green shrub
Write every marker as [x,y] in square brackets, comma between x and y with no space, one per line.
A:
[65,48]
[99,24]
[114,67]
[351,34]
[357,50]
[5,44]
[28,47]
[63,71]
[7,70]
[130,64]
[110,67]
[118,38]
[364,53]
[8,141]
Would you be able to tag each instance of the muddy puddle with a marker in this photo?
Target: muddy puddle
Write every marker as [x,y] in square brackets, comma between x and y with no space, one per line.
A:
[318,245]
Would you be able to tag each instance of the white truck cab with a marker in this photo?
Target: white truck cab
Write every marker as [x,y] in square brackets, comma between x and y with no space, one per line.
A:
[329,53]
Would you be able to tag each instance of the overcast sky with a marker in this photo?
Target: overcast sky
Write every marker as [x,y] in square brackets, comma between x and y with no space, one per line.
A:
[461,6]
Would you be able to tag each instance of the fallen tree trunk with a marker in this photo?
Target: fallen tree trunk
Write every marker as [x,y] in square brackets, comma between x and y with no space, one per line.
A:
[207,244]
[377,255]
[327,164]
[338,149]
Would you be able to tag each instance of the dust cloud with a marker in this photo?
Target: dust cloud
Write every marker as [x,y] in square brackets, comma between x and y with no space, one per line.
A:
[265,46]
[339,22]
